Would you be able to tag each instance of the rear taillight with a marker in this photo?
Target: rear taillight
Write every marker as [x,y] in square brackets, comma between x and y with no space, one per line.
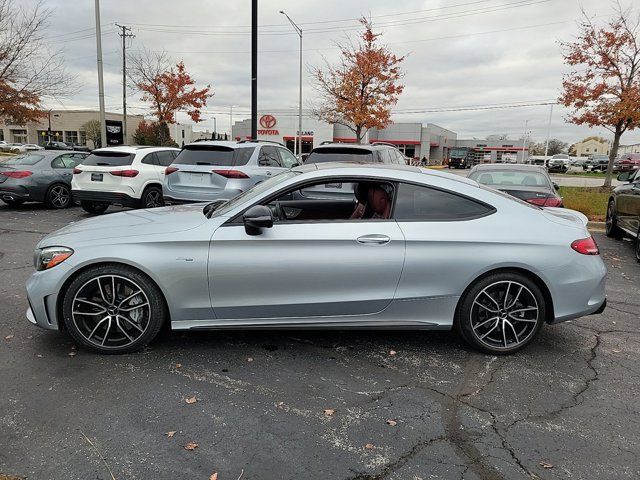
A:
[170,170]
[17,174]
[231,173]
[586,246]
[76,171]
[125,173]
[545,202]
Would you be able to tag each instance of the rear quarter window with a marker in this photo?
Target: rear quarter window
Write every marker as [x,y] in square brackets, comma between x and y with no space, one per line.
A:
[418,203]
[214,155]
[109,159]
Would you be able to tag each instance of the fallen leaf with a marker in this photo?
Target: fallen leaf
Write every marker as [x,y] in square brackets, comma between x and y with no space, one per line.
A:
[328,412]
[39,356]
[8,337]
[178,365]
[72,354]
[615,351]
[191,446]
[29,337]
[214,476]
[392,352]
[393,423]
[171,433]
[249,359]
[369,446]
[191,400]
[546,465]
[279,404]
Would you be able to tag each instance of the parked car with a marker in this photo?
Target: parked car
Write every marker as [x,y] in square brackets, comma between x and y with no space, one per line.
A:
[376,152]
[530,183]
[220,170]
[595,160]
[15,148]
[623,210]
[2,145]
[32,147]
[411,248]
[127,176]
[56,146]
[629,161]
[559,163]
[39,177]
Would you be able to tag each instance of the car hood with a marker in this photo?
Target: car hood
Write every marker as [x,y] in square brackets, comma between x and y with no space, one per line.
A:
[128,224]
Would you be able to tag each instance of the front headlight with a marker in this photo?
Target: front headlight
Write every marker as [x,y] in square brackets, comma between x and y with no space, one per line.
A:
[49,257]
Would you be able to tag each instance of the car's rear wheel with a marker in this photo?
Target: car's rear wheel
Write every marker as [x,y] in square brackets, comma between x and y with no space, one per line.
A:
[113,309]
[96,208]
[12,202]
[501,313]
[58,196]
[638,245]
[611,225]
[151,198]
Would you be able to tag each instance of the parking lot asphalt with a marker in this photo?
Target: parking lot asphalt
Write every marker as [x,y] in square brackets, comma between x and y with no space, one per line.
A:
[317,405]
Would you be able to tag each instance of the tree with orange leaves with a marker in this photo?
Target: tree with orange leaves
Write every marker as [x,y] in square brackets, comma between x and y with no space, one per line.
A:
[360,91]
[167,88]
[603,90]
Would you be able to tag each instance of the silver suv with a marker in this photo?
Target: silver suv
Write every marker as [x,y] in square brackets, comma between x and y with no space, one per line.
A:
[220,170]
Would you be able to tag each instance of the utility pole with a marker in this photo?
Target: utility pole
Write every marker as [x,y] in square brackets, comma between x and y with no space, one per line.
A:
[254,69]
[297,141]
[231,122]
[546,145]
[103,121]
[524,140]
[126,33]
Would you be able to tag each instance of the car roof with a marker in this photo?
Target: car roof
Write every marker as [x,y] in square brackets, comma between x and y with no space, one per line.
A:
[509,166]
[355,146]
[234,143]
[133,149]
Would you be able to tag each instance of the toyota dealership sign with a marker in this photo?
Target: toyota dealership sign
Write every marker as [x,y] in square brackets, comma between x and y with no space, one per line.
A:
[268,122]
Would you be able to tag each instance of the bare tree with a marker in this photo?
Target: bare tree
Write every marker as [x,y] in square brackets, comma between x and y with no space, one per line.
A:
[29,71]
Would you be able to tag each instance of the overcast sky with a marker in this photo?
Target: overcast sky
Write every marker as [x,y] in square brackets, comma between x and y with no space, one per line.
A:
[461,53]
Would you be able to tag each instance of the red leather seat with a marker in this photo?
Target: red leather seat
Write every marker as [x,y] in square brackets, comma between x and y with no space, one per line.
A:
[373,202]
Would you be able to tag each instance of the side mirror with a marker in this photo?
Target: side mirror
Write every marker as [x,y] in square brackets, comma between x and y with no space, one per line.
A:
[257,218]
[556,186]
[624,177]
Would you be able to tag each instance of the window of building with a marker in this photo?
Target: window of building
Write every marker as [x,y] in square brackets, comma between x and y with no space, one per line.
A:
[82,138]
[18,136]
[71,137]
[429,204]
[42,137]
[1,134]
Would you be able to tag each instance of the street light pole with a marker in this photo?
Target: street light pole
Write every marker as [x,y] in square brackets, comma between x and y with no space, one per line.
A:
[254,69]
[298,140]
[524,139]
[103,121]
[546,145]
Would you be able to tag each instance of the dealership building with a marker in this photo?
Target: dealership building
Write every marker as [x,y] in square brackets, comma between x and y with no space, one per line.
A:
[415,140]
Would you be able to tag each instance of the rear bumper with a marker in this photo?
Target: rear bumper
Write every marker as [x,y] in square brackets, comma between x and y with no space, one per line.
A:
[105,197]
[172,197]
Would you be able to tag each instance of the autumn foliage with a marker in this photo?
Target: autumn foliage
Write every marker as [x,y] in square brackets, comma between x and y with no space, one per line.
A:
[360,91]
[603,90]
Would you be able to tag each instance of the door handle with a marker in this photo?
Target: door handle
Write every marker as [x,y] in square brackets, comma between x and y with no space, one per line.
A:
[268,173]
[374,239]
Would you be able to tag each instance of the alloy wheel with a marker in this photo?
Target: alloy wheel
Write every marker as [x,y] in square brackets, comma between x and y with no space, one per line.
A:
[153,199]
[504,315]
[111,311]
[609,218]
[59,196]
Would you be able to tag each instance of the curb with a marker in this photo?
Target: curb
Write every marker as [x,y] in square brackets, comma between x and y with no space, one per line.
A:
[596,226]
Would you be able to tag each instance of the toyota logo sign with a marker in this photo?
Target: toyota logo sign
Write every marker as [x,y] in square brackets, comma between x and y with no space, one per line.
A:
[267,121]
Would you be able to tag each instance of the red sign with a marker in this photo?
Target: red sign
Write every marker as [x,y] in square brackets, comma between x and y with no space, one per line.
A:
[267,121]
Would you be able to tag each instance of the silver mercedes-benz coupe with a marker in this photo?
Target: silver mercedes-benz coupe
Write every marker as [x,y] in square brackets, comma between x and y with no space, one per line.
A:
[404,247]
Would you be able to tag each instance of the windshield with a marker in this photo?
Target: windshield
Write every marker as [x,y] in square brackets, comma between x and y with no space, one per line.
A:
[108,159]
[340,154]
[215,155]
[28,159]
[457,152]
[252,193]
[501,179]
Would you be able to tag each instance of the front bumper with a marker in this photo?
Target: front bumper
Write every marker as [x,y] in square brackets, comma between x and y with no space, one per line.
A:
[105,197]
[43,289]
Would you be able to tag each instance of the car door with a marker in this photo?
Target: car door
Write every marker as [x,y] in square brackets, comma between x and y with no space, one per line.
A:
[62,167]
[164,159]
[625,208]
[269,162]
[288,159]
[306,270]
[153,169]
[634,205]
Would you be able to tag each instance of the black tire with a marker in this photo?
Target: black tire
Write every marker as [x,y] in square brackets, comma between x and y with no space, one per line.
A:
[95,208]
[612,229]
[79,326]
[151,197]
[58,196]
[638,245]
[13,202]
[474,319]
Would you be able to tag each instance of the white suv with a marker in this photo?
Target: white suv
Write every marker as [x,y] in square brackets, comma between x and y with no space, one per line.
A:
[127,176]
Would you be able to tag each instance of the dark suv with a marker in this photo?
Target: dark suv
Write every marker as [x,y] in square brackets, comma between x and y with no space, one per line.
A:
[623,211]
[376,152]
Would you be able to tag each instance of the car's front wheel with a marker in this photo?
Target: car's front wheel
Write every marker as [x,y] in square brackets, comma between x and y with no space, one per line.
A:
[501,313]
[113,309]
[612,229]
[95,208]
[58,197]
